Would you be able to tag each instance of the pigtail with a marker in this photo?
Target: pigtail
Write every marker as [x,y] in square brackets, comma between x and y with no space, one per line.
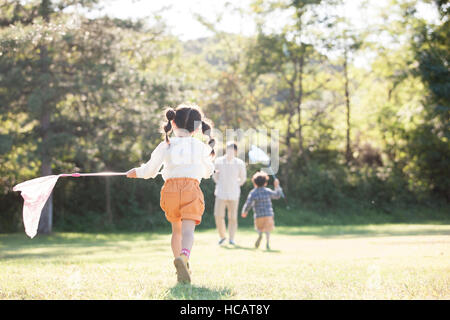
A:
[170,115]
[189,118]
[206,129]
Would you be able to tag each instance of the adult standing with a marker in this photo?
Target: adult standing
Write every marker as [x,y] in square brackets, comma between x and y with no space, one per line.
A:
[230,175]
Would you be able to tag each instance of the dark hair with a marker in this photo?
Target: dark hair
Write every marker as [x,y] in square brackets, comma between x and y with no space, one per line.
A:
[189,118]
[260,178]
[232,145]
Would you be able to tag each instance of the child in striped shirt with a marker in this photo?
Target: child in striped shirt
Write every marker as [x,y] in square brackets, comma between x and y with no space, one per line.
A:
[260,199]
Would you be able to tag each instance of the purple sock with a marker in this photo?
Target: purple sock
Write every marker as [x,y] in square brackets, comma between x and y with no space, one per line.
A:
[186,252]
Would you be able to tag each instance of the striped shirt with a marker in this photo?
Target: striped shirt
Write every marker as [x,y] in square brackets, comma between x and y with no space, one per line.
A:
[260,199]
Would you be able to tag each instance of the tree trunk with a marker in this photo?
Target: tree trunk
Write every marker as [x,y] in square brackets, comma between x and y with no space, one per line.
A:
[287,167]
[299,104]
[109,214]
[46,221]
[348,151]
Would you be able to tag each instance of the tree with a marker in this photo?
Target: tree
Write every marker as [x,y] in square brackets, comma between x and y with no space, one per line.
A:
[226,53]
[75,84]
[37,88]
[346,41]
[292,58]
[429,142]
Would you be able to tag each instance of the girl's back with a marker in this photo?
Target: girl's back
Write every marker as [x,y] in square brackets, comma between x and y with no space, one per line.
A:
[184,157]
[186,161]
[188,156]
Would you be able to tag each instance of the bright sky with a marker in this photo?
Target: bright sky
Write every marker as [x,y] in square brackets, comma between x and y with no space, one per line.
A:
[179,15]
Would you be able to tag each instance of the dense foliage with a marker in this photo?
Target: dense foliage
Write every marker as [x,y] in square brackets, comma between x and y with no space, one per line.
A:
[87,94]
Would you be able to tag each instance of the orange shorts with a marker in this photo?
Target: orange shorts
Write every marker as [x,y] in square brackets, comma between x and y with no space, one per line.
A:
[182,198]
[264,224]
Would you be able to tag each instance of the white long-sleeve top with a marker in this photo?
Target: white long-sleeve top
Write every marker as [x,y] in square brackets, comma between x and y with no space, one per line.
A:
[229,177]
[184,157]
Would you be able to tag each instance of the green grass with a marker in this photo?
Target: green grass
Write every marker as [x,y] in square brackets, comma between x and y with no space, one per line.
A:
[391,261]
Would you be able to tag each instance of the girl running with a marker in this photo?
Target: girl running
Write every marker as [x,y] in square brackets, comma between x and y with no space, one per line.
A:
[185,161]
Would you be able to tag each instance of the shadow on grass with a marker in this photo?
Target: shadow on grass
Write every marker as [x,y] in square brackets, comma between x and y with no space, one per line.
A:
[73,251]
[272,251]
[33,256]
[362,231]
[71,244]
[193,292]
[68,238]
[238,247]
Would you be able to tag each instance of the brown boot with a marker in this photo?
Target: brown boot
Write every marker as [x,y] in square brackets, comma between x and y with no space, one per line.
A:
[183,273]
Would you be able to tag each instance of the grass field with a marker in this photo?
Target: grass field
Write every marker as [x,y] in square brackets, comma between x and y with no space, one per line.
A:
[393,261]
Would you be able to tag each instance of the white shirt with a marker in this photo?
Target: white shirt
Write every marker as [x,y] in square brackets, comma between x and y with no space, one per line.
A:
[230,177]
[184,157]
